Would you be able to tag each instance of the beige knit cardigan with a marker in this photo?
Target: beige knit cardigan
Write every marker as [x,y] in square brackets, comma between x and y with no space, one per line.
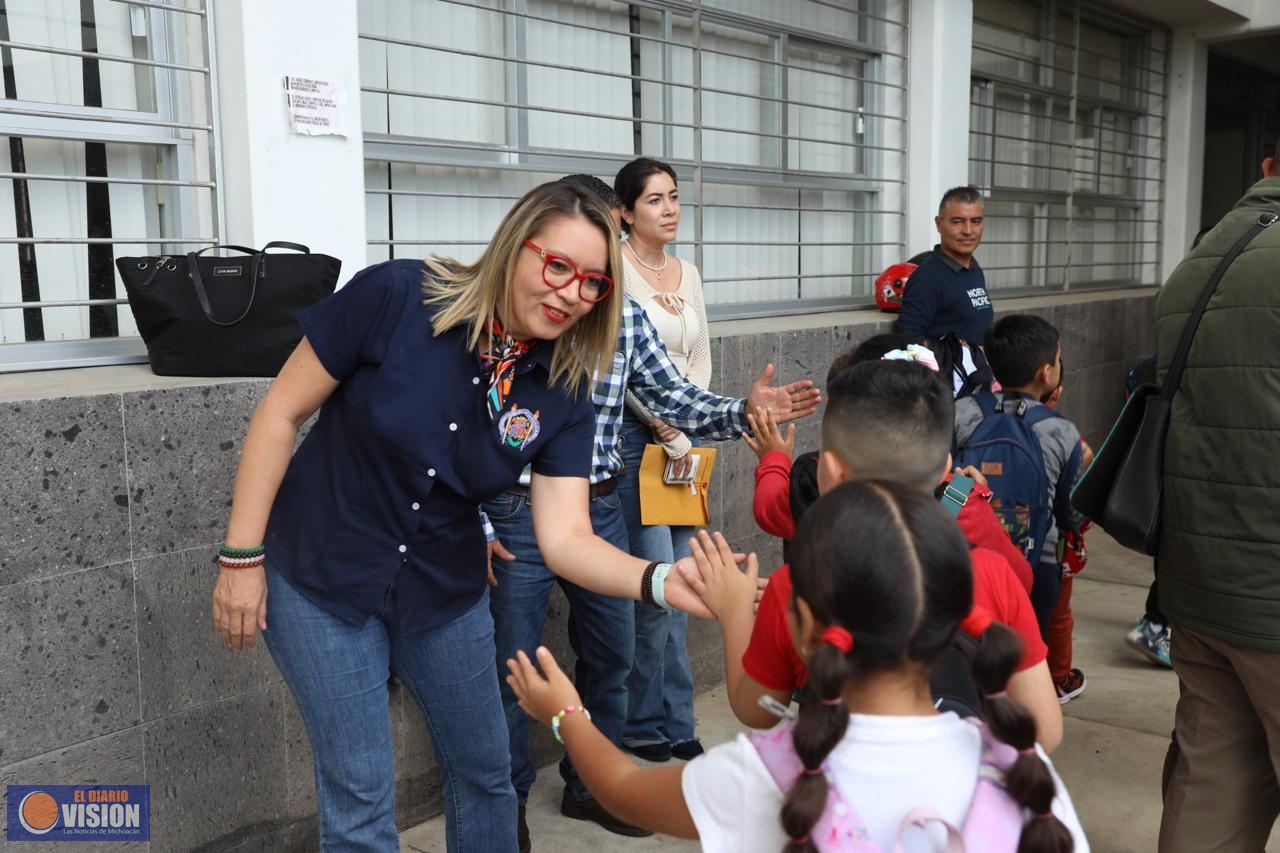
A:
[690,292]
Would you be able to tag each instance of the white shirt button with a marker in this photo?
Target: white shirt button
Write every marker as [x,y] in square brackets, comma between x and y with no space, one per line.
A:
[404,548]
[416,505]
[475,380]
[431,472]
[453,427]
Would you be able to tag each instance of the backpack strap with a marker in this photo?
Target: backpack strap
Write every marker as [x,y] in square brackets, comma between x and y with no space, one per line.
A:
[988,403]
[995,820]
[955,494]
[840,828]
[1036,414]
[921,818]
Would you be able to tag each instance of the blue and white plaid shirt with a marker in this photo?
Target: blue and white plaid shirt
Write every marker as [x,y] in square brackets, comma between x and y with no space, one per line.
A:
[641,365]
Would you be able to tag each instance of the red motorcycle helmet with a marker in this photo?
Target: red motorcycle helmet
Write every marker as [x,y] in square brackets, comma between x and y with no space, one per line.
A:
[891,283]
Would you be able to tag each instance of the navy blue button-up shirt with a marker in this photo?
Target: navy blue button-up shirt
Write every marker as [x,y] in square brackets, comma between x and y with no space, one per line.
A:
[386,487]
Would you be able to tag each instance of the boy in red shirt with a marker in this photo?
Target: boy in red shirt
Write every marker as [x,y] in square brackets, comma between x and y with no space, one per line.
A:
[886,420]
[780,500]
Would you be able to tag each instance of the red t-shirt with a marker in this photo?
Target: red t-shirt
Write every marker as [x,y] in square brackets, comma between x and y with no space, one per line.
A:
[771,504]
[772,661]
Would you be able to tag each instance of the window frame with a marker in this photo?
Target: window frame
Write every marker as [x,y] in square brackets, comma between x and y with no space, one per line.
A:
[170,128]
[698,173]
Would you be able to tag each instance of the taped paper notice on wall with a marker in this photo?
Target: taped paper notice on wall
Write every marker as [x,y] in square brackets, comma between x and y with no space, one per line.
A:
[316,107]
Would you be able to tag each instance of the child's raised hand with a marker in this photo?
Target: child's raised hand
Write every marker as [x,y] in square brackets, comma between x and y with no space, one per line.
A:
[542,696]
[765,437]
[719,582]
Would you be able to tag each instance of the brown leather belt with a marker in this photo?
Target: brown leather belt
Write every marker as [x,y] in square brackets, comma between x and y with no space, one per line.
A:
[598,490]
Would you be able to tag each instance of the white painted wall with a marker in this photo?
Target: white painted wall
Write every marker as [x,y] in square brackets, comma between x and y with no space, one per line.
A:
[1184,165]
[280,185]
[941,38]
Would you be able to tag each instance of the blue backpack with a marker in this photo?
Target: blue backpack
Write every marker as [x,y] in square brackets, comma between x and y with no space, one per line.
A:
[1005,449]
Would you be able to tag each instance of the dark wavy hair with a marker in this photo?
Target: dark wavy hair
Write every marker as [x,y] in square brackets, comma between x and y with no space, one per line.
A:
[886,563]
[631,178]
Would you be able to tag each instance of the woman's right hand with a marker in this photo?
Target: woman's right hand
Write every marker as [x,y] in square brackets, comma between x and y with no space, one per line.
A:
[240,606]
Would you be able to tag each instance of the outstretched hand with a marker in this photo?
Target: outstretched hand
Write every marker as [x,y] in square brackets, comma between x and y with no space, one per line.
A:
[785,403]
[543,694]
[765,436]
[719,583]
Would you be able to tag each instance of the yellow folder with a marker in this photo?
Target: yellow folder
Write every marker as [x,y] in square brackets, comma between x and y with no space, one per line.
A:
[680,504]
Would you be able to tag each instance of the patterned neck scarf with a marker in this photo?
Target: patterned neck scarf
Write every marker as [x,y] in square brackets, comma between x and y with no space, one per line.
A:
[504,352]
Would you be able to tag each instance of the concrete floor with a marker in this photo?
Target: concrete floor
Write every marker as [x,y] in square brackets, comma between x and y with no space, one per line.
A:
[1111,758]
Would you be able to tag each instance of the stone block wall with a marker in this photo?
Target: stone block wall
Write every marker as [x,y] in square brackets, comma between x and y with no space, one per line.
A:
[115,503]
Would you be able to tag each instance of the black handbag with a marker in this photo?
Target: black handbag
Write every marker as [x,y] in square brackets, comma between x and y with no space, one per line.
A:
[201,315]
[1122,489]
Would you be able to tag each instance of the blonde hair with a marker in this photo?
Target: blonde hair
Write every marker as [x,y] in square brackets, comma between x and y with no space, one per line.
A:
[474,294]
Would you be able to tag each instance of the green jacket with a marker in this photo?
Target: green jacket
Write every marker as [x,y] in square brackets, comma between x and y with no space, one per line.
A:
[1219,564]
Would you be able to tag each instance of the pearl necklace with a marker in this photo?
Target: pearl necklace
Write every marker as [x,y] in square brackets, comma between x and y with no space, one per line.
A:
[651,267]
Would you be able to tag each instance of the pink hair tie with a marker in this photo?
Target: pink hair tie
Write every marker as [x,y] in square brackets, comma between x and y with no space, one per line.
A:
[838,637]
[816,771]
[804,839]
[839,700]
[1043,815]
[999,694]
[1031,750]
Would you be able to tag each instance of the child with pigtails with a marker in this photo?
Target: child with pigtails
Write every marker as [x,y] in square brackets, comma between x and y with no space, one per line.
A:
[881,584]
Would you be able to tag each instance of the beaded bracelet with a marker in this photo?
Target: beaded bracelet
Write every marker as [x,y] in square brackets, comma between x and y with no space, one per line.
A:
[250,559]
[241,562]
[228,551]
[646,584]
[555,721]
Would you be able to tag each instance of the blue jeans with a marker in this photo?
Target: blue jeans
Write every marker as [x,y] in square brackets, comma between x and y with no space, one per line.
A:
[601,630]
[660,687]
[338,674]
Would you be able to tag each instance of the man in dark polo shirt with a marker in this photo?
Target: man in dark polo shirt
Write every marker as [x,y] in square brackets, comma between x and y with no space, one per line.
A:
[948,292]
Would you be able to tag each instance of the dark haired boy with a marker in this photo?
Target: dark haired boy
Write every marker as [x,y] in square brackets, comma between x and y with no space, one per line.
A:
[1025,355]
[885,420]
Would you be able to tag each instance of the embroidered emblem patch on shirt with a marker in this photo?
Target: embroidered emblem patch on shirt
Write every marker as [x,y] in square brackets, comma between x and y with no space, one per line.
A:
[518,427]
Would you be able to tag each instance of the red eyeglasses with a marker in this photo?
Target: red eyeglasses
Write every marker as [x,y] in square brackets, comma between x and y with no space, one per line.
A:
[559,272]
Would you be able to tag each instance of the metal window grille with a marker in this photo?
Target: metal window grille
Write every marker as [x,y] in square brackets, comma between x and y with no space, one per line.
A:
[1066,138]
[784,120]
[107,149]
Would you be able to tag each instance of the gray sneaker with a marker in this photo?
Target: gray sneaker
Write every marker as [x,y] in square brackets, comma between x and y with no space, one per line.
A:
[1150,640]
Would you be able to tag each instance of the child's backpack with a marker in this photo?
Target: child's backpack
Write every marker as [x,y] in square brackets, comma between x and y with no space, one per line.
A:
[968,376]
[993,824]
[952,684]
[1005,449]
[804,491]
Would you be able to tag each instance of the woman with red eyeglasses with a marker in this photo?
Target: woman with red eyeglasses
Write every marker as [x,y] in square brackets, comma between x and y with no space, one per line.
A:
[436,382]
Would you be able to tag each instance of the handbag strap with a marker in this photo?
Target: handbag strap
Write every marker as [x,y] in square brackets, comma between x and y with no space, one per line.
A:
[1173,378]
[245,249]
[282,244]
[194,269]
